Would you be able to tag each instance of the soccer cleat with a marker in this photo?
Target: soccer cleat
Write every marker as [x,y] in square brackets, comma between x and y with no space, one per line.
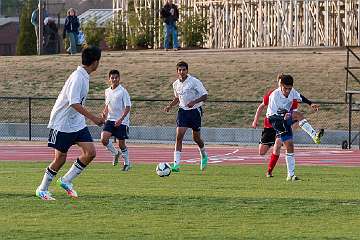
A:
[318,136]
[203,162]
[116,159]
[269,175]
[293,178]
[44,195]
[68,187]
[126,168]
[175,168]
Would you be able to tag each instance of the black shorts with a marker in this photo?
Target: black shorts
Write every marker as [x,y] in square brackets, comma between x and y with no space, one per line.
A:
[62,141]
[121,132]
[189,118]
[268,137]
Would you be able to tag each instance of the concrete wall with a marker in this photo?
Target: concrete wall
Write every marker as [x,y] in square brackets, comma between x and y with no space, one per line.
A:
[17,131]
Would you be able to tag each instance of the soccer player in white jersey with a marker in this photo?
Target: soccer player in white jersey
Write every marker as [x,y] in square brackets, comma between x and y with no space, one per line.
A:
[268,135]
[281,118]
[117,114]
[190,94]
[68,127]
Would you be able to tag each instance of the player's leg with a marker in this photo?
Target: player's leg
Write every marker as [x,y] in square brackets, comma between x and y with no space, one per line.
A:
[194,122]
[122,133]
[180,133]
[267,139]
[105,140]
[286,136]
[290,160]
[263,149]
[61,142]
[305,125]
[124,154]
[50,173]
[88,153]
[198,140]
[274,157]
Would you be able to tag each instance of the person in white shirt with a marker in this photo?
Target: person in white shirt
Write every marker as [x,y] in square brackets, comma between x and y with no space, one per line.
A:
[68,127]
[282,118]
[190,94]
[117,114]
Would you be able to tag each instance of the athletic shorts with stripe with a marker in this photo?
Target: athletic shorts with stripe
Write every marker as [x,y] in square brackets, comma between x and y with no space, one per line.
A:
[63,141]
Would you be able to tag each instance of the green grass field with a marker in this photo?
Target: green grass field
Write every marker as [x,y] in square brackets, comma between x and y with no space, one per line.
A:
[227,202]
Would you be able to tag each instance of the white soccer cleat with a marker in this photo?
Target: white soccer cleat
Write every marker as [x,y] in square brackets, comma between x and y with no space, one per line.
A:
[293,178]
[44,195]
[68,187]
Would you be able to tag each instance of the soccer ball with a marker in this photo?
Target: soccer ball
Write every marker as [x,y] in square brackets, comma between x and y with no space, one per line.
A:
[163,169]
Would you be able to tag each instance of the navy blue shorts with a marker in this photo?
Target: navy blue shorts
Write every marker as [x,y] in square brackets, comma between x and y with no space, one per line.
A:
[282,127]
[63,141]
[189,118]
[121,132]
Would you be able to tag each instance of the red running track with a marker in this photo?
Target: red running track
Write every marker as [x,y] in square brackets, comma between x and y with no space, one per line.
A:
[152,153]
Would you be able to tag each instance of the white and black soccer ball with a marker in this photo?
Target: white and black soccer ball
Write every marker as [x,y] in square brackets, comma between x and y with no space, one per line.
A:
[163,169]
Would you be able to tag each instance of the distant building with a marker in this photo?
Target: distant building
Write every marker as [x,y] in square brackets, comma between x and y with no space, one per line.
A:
[9,31]
[102,16]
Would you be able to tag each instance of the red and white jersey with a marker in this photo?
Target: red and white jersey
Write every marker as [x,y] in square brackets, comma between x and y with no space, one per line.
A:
[266,97]
[278,101]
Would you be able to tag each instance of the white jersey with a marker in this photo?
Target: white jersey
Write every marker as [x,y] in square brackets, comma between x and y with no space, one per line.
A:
[278,101]
[116,100]
[63,117]
[188,91]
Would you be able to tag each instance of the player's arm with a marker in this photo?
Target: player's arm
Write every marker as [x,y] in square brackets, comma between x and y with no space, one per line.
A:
[200,99]
[125,113]
[173,103]
[257,114]
[314,106]
[105,112]
[79,108]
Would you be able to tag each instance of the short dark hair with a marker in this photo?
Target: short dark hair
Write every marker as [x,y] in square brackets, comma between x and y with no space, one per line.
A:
[114,72]
[182,64]
[90,55]
[286,80]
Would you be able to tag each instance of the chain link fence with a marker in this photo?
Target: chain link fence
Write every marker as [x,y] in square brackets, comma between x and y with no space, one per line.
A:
[223,121]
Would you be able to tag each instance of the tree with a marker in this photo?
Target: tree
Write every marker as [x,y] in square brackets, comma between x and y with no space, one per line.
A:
[26,44]
[9,8]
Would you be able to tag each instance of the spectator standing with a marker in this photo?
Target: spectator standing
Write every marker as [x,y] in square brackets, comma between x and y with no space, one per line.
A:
[71,30]
[170,14]
[51,36]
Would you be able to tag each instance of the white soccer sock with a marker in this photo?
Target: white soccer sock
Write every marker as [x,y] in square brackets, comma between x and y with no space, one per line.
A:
[263,157]
[125,155]
[74,171]
[111,148]
[47,179]
[177,157]
[202,151]
[305,125]
[290,164]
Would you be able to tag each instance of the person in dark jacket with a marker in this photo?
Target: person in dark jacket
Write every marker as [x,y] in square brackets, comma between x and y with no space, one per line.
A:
[51,37]
[71,30]
[170,14]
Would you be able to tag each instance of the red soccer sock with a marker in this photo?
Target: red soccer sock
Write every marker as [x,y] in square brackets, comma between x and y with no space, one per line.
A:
[273,160]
